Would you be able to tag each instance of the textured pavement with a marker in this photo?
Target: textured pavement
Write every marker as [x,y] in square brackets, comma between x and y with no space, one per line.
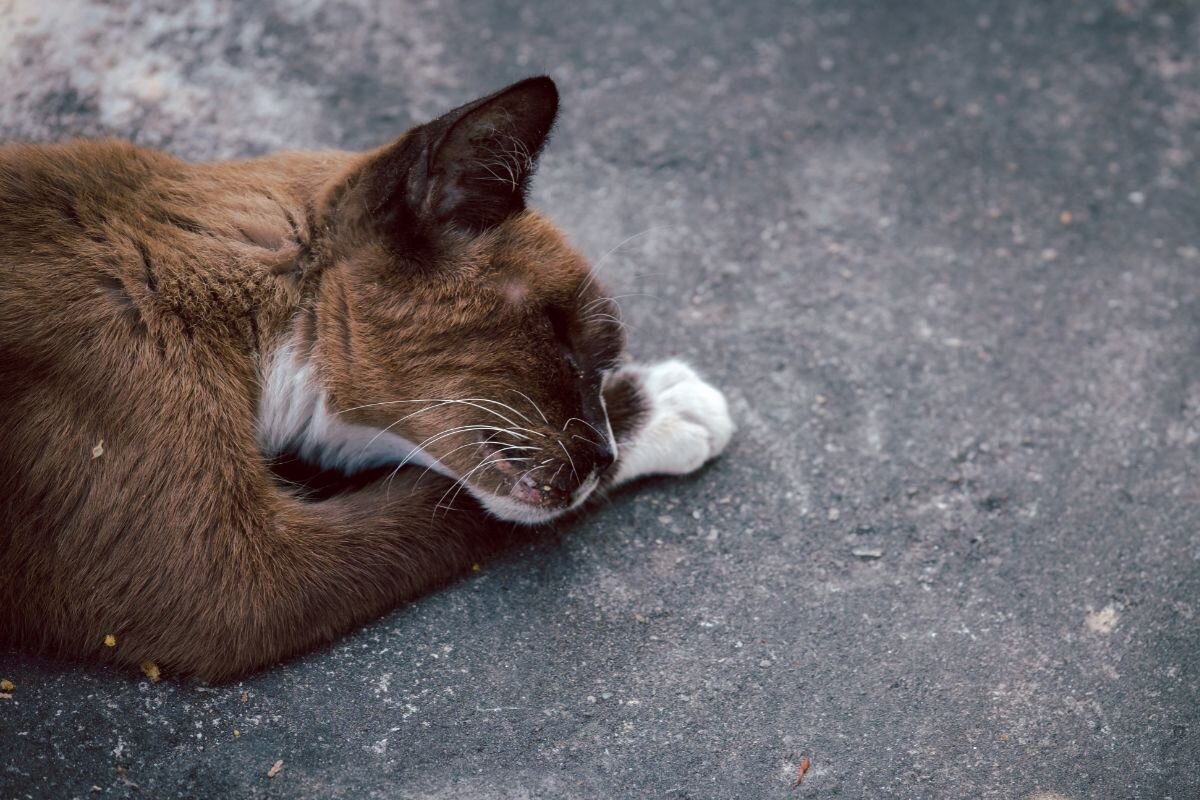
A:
[945,260]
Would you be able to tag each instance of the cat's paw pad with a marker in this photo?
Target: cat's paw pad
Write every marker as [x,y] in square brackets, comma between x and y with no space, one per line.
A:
[687,423]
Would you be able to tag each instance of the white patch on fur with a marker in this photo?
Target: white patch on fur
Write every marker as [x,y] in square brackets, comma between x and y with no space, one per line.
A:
[515,511]
[688,423]
[293,415]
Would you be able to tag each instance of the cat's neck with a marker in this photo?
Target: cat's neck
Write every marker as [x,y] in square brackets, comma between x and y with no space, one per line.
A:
[294,416]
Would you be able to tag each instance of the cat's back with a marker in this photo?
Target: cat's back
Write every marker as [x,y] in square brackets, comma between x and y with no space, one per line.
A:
[65,214]
[56,200]
[136,291]
[69,221]
[103,242]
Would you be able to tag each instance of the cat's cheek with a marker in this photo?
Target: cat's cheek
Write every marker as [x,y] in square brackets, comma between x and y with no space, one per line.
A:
[686,423]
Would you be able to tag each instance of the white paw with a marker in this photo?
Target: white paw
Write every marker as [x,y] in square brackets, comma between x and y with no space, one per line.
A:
[688,423]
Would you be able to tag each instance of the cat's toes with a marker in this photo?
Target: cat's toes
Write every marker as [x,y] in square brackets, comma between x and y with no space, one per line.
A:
[687,423]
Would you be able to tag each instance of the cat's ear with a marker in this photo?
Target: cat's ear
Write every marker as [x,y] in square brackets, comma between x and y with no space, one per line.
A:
[470,168]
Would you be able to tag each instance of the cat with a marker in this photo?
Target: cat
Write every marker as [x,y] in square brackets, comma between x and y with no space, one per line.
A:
[172,335]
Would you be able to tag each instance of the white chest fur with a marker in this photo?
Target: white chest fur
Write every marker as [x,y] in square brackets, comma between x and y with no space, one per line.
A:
[293,415]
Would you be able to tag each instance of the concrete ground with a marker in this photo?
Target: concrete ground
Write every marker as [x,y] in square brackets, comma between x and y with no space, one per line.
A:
[945,259]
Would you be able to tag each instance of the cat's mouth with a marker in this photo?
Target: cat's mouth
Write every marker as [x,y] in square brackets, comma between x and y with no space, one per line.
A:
[528,490]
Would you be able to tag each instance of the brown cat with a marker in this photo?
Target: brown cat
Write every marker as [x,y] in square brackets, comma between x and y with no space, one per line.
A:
[172,335]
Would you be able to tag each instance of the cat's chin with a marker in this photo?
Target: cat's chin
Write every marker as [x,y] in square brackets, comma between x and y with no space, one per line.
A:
[510,509]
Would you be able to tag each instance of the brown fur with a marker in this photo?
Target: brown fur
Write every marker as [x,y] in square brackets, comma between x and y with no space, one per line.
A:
[140,301]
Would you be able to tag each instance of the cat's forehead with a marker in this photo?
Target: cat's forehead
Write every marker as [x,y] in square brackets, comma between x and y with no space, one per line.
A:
[530,260]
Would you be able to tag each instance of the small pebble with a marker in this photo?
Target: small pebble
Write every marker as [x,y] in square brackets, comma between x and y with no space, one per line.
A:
[867,552]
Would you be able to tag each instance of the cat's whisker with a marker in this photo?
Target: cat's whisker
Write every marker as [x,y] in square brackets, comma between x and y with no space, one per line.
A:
[459,429]
[614,298]
[391,403]
[620,312]
[505,405]
[617,320]
[598,432]
[510,431]
[477,445]
[595,271]
[461,483]
[536,407]
[595,301]
[574,471]
[437,402]
[488,461]
[639,278]
[585,439]
[457,484]
[419,448]
[442,434]
[473,402]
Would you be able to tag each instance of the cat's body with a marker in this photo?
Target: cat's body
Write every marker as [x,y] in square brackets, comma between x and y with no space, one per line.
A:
[167,330]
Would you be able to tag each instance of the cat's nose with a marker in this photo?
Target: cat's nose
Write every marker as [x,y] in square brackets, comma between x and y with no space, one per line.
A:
[606,456]
[603,457]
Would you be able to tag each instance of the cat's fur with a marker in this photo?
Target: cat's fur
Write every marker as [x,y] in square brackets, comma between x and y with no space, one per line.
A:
[172,334]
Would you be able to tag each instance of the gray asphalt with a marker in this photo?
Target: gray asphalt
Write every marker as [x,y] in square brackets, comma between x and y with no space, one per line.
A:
[945,260]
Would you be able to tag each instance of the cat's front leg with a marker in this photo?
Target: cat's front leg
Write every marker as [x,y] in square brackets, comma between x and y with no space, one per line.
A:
[667,420]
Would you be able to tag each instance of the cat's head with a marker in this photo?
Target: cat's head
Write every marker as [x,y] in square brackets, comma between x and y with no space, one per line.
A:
[452,316]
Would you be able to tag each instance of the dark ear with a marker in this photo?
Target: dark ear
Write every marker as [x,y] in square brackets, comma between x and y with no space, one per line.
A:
[470,168]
